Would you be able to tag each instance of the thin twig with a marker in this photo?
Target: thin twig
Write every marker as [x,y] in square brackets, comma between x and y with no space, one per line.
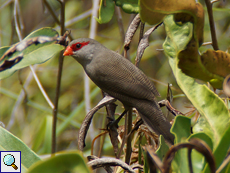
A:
[123,140]
[78,18]
[17,25]
[144,43]
[101,145]
[120,23]
[107,168]
[129,138]
[212,24]
[41,87]
[101,162]
[92,34]
[20,18]
[21,95]
[130,33]
[51,12]
[169,107]
[212,2]
[60,67]
[98,136]
[87,121]
[6,3]
[207,43]
[142,27]
[190,160]
[224,163]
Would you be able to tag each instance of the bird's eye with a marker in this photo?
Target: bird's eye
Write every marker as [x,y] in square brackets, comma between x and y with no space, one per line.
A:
[78,45]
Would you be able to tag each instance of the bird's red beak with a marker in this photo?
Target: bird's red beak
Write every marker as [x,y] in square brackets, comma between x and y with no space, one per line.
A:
[68,51]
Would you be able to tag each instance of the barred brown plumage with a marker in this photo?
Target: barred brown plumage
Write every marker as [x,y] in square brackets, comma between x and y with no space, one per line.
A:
[121,79]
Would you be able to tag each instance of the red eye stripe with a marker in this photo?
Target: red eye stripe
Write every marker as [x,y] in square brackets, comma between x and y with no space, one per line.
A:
[79,45]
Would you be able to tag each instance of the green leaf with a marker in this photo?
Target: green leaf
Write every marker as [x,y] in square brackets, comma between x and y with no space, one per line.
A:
[212,109]
[181,129]
[106,11]
[221,150]
[198,160]
[215,118]
[203,137]
[128,6]
[34,54]
[43,137]
[46,31]
[63,162]
[154,11]
[163,148]
[146,166]
[9,142]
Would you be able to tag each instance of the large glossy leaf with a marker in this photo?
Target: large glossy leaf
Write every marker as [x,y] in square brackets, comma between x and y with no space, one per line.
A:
[63,162]
[9,142]
[212,66]
[215,117]
[212,109]
[106,11]
[49,32]
[33,54]
[154,11]
[221,150]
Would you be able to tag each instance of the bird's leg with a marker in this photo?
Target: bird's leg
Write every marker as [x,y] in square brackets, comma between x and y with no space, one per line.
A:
[115,123]
[137,124]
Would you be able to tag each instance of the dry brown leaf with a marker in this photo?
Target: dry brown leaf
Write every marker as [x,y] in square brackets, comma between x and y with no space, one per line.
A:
[217,62]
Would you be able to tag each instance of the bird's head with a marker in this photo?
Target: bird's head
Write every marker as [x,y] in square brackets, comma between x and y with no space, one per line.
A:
[82,50]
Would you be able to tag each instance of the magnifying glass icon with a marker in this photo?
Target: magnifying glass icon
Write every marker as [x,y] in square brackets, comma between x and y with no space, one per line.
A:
[9,160]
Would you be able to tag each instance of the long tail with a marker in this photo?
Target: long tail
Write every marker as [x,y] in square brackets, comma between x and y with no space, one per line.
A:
[152,115]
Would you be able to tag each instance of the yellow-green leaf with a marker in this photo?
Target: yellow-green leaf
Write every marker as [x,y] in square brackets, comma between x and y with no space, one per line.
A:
[63,162]
[106,11]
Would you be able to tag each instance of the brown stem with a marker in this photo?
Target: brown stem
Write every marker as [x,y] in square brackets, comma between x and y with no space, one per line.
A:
[142,27]
[60,67]
[102,162]
[190,160]
[169,107]
[129,137]
[124,138]
[212,25]
[51,12]
[93,142]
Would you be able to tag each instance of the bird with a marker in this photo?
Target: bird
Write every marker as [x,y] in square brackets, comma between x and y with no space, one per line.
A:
[121,79]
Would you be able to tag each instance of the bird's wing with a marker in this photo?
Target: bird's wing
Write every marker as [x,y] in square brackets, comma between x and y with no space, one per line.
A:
[118,75]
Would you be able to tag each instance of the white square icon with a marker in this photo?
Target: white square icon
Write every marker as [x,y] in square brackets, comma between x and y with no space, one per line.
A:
[10,161]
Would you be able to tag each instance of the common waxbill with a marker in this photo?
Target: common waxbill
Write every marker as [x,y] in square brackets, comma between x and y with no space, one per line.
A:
[121,79]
